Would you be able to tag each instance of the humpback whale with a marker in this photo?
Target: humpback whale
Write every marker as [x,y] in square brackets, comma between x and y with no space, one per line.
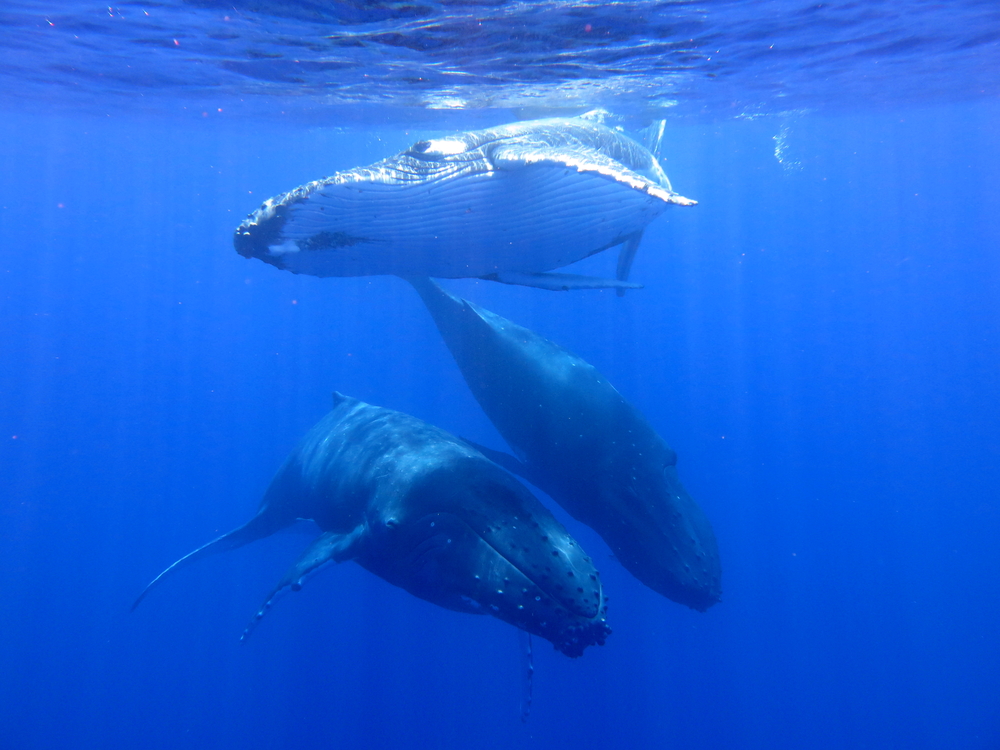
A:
[579,441]
[428,513]
[508,204]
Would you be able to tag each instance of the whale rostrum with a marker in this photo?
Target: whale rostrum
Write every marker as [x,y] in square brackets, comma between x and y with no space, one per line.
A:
[508,203]
[428,513]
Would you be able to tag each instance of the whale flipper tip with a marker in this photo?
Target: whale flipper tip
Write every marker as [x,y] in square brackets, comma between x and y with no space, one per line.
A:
[328,547]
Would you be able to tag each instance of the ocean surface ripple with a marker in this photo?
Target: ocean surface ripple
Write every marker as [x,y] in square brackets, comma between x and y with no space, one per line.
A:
[717,58]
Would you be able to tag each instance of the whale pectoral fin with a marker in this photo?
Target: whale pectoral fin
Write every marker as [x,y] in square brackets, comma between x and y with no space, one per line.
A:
[525,152]
[330,546]
[262,525]
[528,672]
[504,460]
[430,291]
[625,257]
[558,282]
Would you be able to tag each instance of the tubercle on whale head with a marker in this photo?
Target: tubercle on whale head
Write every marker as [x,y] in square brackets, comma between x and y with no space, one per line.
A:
[260,234]
[483,544]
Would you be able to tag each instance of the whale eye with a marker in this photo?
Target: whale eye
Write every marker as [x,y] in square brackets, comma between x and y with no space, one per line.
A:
[420,147]
[670,459]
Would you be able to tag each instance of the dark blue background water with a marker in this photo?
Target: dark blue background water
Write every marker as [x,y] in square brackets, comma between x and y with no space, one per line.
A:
[818,340]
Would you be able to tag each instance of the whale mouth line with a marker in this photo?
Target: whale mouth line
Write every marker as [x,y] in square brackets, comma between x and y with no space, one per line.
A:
[493,547]
[544,589]
[568,629]
[595,618]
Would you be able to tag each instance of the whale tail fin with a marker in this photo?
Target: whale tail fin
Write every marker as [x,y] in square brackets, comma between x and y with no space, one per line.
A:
[328,547]
[261,525]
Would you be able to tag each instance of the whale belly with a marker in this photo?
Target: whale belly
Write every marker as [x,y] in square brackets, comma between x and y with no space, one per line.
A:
[534,218]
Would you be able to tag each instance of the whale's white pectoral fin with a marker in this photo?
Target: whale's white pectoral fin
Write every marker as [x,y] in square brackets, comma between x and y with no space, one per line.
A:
[680,200]
[558,282]
[625,257]
[519,154]
[328,547]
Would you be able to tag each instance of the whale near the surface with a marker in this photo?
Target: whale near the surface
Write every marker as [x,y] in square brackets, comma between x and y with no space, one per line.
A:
[509,203]
[577,439]
[428,513]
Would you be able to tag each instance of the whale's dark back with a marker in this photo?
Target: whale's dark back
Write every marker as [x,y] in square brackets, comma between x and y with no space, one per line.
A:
[585,445]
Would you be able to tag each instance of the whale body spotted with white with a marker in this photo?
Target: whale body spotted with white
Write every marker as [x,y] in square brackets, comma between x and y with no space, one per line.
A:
[508,203]
[430,514]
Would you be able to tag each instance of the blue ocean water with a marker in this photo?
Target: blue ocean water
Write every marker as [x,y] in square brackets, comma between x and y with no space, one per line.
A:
[817,340]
